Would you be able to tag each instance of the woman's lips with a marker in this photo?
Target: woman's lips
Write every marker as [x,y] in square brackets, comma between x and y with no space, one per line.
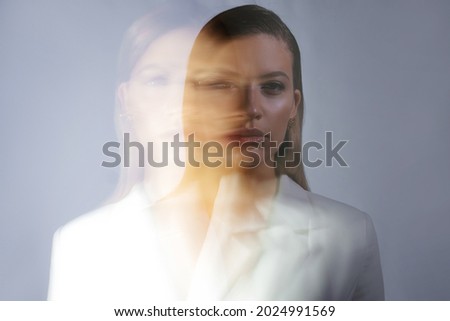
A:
[246,135]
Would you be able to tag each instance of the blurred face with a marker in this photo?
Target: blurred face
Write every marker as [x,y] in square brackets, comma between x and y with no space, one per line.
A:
[153,99]
[153,94]
[241,91]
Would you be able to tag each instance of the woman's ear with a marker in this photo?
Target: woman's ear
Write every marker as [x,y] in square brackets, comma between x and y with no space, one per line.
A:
[123,108]
[122,97]
[297,101]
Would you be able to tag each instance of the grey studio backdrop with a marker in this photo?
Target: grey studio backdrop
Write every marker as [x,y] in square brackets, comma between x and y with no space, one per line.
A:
[376,73]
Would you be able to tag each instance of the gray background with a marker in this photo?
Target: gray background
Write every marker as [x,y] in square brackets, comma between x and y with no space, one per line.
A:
[376,73]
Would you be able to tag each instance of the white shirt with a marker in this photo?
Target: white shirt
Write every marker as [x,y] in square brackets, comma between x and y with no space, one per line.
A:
[303,247]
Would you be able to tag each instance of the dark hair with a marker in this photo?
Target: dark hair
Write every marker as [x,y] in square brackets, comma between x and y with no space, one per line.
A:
[253,20]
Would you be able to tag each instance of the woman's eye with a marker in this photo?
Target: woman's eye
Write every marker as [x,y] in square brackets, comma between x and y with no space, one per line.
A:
[273,88]
[157,81]
[215,85]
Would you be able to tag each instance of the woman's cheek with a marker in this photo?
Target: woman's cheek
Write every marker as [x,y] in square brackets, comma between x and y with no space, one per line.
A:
[277,115]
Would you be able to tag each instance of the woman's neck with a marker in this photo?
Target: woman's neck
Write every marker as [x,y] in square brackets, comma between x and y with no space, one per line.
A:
[240,185]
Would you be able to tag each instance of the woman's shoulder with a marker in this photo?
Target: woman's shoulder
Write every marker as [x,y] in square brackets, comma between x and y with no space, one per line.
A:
[109,218]
[91,250]
[310,209]
[292,192]
[338,238]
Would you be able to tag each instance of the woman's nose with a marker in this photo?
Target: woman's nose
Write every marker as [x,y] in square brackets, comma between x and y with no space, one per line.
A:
[252,102]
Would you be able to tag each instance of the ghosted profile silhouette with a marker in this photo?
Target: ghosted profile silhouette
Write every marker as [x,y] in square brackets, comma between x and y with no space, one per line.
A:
[240,224]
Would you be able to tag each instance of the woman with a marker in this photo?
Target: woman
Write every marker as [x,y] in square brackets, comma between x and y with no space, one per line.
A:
[97,256]
[254,237]
[243,225]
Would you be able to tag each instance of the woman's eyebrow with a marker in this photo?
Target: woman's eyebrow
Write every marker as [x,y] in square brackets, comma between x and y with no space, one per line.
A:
[228,73]
[212,72]
[146,69]
[157,69]
[274,74]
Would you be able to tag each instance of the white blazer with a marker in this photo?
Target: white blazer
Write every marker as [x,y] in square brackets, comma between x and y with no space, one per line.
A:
[307,247]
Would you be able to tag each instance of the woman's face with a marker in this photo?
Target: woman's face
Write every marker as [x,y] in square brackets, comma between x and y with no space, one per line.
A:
[241,91]
[153,95]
